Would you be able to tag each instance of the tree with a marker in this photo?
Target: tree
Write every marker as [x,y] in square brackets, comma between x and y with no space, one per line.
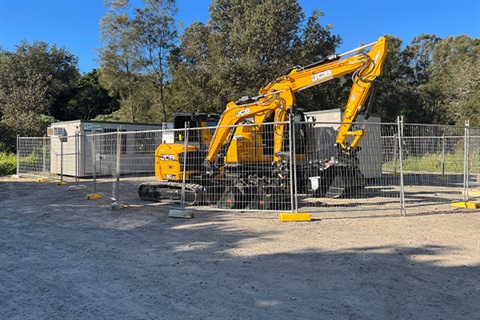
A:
[394,96]
[316,42]
[192,87]
[157,35]
[118,62]
[30,79]
[85,99]
[454,80]
[245,45]
[136,48]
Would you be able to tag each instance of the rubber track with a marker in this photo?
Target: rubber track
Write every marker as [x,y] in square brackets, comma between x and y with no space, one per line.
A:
[194,188]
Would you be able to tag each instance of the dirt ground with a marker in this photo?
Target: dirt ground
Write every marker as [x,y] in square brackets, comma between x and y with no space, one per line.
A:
[65,257]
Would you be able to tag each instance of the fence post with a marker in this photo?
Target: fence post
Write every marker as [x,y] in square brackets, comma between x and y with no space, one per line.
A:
[94,163]
[61,158]
[466,159]
[116,185]
[395,147]
[18,155]
[293,196]
[44,159]
[76,155]
[400,152]
[443,154]
[184,170]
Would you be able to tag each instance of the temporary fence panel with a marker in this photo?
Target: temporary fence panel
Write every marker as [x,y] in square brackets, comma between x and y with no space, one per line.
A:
[64,154]
[245,167]
[434,161]
[116,156]
[353,179]
[472,168]
[268,166]
[33,156]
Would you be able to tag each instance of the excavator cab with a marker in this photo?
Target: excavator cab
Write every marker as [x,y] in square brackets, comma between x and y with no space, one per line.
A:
[206,123]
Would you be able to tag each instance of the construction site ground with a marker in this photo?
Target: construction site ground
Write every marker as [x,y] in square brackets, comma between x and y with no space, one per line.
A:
[65,257]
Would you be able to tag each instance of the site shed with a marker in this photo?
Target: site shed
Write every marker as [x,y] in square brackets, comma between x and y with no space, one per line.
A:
[71,145]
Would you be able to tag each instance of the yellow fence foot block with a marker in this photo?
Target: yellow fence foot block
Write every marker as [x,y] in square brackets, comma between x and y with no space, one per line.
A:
[61,183]
[466,205]
[295,217]
[43,180]
[93,196]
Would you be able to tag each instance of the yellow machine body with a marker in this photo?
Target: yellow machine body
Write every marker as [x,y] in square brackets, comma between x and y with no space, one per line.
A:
[169,159]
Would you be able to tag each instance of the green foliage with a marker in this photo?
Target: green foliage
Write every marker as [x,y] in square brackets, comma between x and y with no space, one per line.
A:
[148,71]
[244,46]
[157,35]
[452,91]
[134,67]
[8,164]
[432,162]
[31,78]
[84,99]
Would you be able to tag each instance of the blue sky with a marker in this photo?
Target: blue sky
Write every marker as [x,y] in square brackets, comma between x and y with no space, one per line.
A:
[74,24]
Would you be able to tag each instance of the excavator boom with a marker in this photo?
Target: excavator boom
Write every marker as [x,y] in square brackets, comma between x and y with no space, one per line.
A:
[279,96]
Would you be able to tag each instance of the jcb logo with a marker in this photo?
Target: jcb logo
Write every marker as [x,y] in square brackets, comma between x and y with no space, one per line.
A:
[167,157]
[243,112]
[321,75]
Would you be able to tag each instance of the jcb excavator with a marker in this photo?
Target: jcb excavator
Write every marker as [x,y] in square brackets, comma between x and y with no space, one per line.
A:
[247,162]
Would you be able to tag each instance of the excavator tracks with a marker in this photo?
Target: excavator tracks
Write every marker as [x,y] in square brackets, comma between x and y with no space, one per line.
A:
[172,191]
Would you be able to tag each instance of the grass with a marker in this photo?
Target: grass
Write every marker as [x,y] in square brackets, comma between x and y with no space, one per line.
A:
[8,164]
[453,163]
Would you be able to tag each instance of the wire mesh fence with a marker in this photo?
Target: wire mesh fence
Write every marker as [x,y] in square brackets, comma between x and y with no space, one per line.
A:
[267,166]
[34,156]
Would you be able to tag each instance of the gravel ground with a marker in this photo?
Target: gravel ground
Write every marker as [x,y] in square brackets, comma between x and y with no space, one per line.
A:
[65,257]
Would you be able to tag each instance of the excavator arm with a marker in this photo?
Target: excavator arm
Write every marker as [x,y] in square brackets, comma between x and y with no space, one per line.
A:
[363,84]
[279,96]
[234,114]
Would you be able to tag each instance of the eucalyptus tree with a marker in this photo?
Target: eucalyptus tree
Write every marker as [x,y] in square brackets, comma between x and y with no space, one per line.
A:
[244,45]
[136,46]
[315,42]
[157,36]
[453,89]
[119,63]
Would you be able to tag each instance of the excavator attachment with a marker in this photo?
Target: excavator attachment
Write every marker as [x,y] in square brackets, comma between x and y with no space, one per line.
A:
[342,181]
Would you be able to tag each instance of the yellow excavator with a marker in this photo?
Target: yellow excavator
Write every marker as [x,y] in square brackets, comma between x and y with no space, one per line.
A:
[243,161]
